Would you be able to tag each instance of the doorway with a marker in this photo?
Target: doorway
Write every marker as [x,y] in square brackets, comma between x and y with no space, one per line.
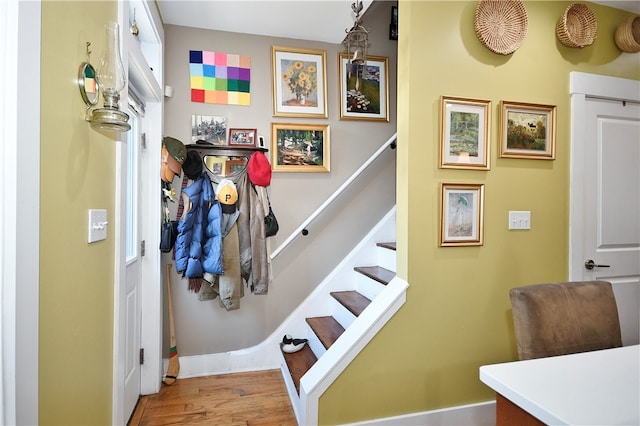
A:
[137,284]
[605,190]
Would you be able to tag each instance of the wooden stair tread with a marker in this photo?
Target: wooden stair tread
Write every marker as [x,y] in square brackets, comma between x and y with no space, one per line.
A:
[389,245]
[299,363]
[377,273]
[352,300]
[326,328]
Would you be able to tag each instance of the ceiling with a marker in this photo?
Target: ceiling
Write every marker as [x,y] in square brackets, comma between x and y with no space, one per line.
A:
[628,5]
[320,20]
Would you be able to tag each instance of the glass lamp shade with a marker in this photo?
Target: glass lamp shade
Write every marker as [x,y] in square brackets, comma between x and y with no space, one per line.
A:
[110,75]
[111,80]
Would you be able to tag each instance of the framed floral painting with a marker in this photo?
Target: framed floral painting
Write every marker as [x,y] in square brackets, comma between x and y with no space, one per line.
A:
[364,93]
[299,82]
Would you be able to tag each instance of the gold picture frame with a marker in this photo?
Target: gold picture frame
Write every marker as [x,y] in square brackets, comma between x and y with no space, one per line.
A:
[364,95]
[461,214]
[299,82]
[464,133]
[300,147]
[527,131]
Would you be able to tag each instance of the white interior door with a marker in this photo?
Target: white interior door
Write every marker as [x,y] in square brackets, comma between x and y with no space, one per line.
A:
[137,287]
[133,269]
[605,218]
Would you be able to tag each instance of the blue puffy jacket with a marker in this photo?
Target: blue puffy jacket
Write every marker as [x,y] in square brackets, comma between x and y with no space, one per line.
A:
[199,243]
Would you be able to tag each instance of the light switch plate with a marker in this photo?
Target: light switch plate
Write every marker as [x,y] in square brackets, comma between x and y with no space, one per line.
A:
[97,230]
[519,220]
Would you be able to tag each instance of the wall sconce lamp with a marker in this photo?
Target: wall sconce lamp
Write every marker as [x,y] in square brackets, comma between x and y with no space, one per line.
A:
[356,42]
[110,80]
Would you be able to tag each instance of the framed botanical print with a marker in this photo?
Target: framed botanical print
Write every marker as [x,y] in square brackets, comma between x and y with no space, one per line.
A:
[299,82]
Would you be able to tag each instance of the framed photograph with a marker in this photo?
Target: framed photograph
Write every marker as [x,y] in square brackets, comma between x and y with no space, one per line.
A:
[209,128]
[364,93]
[464,133]
[242,137]
[234,166]
[299,147]
[299,82]
[215,164]
[393,26]
[461,214]
[527,131]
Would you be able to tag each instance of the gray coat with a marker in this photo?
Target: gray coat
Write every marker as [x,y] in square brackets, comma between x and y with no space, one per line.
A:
[254,256]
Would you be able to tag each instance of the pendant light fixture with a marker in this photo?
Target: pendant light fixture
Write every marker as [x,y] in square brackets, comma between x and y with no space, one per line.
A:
[356,42]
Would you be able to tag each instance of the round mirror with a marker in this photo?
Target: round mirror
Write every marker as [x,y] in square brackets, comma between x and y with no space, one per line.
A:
[87,84]
[226,166]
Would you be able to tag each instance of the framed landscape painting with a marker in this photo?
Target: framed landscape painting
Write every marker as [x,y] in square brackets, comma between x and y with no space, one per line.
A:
[527,131]
[464,133]
[299,82]
[299,147]
[364,92]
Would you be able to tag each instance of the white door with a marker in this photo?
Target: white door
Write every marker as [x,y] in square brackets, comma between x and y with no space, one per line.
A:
[133,270]
[605,207]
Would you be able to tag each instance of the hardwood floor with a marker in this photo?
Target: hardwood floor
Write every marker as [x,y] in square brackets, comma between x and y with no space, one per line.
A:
[238,399]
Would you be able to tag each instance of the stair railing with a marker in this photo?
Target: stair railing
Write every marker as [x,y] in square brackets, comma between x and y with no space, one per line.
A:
[302,229]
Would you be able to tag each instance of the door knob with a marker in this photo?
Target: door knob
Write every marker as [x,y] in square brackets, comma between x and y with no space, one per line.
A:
[590,264]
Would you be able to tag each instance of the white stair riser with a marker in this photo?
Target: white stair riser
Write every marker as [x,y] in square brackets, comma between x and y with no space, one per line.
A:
[368,287]
[314,343]
[387,258]
[342,314]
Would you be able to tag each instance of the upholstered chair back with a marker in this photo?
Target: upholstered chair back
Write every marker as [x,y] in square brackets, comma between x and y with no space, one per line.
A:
[563,318]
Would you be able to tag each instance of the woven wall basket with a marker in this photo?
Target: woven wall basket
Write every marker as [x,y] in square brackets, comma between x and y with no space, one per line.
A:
[577,26]
[501,25]
[628,35]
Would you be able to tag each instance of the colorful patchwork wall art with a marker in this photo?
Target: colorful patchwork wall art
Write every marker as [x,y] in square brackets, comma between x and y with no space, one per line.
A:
[220,78]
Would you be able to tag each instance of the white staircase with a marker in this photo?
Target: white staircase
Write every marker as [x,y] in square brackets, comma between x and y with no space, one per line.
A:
[331,354]
[342,315]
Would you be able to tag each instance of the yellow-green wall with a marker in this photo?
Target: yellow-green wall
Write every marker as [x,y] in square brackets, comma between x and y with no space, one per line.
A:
[457,316]
[77,173]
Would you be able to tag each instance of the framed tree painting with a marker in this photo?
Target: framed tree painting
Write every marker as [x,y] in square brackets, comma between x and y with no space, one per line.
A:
[299,82]
[364,90]
[299,147]
[464,133]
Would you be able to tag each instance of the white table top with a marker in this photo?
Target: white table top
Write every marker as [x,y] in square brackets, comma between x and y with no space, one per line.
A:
[590,388]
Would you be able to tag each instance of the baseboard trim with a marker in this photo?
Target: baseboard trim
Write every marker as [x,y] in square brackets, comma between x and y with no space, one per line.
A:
[480,414]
